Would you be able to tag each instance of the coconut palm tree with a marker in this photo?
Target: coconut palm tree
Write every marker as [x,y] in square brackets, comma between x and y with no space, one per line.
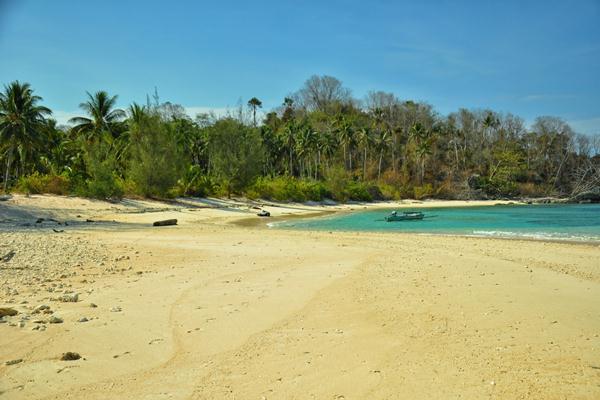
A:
[382,142]
[365,140]
[422,139]
[254,103]
[22,121]
[104,117]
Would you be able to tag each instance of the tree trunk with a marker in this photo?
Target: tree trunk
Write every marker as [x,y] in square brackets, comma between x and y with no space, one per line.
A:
[379,168]
[350,158]
[8,163]
[365,164]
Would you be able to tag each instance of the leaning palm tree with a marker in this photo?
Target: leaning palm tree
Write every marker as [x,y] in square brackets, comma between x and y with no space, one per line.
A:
[22,122]
[254,103]
[103,116]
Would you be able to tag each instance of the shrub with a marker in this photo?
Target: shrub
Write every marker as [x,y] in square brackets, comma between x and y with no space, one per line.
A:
[424,191]
[155,163]
[285,188]
[38,183]
[103,181]
[358,191]
[194,183]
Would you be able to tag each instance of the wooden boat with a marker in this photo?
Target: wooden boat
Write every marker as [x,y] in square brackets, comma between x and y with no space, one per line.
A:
[405,216]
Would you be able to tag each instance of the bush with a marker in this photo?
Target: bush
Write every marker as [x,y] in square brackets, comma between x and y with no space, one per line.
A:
[194,183]
[337,181]
[358,191]
[155,163]
[423,192]
[101,166]
[38,183]
[286,188]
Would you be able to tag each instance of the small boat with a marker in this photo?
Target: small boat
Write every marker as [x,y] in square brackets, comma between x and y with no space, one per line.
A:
[405,216]
[264,213]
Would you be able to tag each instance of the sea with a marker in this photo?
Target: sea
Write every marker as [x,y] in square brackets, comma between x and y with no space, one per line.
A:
[568,222]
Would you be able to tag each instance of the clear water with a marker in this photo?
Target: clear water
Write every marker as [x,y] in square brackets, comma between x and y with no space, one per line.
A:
[579,222]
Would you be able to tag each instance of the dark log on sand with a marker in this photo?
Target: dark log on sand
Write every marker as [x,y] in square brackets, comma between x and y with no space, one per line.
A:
[165,222]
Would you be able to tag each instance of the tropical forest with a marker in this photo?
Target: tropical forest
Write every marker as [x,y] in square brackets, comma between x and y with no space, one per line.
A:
[320,143]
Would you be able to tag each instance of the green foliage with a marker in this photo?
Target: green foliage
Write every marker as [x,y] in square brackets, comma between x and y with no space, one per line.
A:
[101,165]
[285,188]
[236,154]
[423,191]
[320,144]
[37,183]
[155,162]
[359,191]
[195,183]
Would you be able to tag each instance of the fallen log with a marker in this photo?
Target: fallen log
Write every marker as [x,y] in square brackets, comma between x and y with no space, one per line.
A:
[165,222]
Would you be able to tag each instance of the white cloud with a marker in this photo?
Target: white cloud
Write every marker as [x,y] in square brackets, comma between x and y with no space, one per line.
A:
[590,126]
[217,111]
[546,97]
[62,117]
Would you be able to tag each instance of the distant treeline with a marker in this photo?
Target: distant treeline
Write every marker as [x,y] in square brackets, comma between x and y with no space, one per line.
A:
[320,143]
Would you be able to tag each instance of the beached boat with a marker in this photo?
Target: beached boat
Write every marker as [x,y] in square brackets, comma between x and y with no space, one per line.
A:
[405,216]
[264,213]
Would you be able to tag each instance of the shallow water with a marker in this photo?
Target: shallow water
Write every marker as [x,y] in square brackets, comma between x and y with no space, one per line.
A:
[579,222]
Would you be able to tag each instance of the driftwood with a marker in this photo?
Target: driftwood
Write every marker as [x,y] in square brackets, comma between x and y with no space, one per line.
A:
[8,256]
[165,222]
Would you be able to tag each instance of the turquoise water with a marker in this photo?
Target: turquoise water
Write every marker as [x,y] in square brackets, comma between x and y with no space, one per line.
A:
[558,222]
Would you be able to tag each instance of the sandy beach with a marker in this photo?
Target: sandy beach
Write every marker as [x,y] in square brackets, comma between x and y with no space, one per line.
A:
[222,307]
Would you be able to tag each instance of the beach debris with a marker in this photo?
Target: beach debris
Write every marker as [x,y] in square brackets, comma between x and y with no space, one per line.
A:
[92,305]
[264,213]
[58,230]
[41,308]
[55,320]
[165,222]
[83,319]
[8,312]
[13,362]
[116,309]
[70,356]
[69,298]
[8,256]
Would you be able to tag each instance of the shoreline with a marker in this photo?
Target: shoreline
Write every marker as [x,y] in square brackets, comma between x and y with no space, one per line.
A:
[294,313]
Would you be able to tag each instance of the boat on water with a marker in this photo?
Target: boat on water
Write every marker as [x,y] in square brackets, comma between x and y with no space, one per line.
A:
[405,216]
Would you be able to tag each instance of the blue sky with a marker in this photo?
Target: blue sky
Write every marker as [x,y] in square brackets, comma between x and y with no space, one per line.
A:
[530,58]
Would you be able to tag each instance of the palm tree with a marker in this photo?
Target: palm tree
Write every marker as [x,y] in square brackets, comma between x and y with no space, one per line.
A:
[345,132]
[381,144]
[364,138]
[289,142]
[21,122]
[422,139]
[254,103]
[103,116]
[137,113]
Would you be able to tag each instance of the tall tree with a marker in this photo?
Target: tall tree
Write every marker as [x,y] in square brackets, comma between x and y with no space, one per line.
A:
[320,93]
[21,122]
[103,116]
[254,103]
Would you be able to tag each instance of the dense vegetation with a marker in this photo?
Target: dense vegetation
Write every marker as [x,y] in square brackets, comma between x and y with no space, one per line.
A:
[321,143]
